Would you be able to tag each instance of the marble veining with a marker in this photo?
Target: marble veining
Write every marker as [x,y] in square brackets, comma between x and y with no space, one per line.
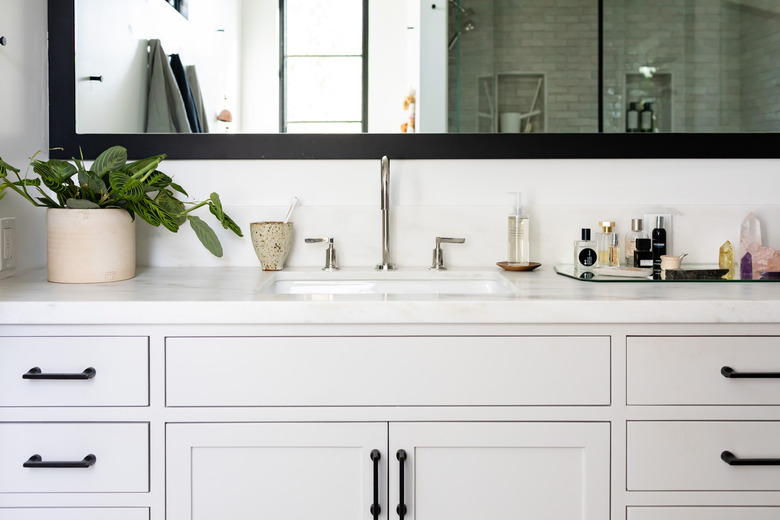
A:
[232,296]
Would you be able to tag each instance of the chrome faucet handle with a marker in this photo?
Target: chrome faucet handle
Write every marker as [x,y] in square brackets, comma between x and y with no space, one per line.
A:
[330,253]
[438,254]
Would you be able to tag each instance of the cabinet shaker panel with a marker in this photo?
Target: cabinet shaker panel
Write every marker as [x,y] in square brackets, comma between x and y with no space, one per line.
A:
[388,371]
[274,470]
[691,456]
[74,371]
[464,470]
[693,370]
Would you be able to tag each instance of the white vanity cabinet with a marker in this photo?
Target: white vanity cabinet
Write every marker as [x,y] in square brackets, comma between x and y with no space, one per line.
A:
[703,438]
[435,471]
[445,469]
[70,435]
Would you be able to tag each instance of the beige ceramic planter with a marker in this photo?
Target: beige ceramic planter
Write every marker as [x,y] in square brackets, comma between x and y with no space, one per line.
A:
[90,245]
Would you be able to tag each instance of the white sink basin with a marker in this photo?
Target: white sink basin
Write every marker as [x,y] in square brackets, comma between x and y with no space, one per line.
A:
[389,283]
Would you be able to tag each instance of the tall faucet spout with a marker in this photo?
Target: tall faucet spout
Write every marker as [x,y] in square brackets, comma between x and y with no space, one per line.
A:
[384,205]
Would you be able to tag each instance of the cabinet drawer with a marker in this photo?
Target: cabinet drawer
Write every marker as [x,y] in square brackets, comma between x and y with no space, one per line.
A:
[703,513]
[687,370]
[121,366]
[388,371]
[75,513]
[121,452]
[686,455]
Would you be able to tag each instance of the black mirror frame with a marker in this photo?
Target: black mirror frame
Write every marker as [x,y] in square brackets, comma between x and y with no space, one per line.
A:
[62,131]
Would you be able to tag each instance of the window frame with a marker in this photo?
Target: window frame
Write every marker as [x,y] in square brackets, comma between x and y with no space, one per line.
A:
[283,69]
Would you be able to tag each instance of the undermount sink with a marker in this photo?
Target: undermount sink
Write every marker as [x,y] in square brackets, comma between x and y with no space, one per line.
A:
[388,283]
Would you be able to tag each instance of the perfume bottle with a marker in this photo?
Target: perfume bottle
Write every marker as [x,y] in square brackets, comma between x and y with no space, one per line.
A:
[659,246]
[631,237]
[608,245]
[643,256]
[585,256]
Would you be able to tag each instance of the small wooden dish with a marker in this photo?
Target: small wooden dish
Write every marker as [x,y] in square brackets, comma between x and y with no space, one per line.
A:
[518,267]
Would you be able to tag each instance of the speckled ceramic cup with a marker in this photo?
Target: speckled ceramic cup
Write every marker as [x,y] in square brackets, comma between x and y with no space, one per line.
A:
[272,241]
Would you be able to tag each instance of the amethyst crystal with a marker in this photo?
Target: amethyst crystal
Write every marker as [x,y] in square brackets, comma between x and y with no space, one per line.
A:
[746,267]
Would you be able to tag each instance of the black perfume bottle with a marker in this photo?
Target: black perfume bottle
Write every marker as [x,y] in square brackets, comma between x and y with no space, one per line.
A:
[643,254]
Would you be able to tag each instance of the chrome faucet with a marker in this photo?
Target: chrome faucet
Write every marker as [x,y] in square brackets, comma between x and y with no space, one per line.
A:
[384,205]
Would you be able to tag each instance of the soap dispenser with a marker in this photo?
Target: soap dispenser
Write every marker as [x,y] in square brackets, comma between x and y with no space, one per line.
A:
[518,239]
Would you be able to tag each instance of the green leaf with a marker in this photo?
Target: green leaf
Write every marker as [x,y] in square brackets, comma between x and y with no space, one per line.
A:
[226,221]
[179,189]
[157,181]
[216,206]
[112,159]
[55,174]
[126,187]
[139,169]
[172,205]
[47,202]
[5,166]
[206,235]
[81,204]
[93,183]
[145,212]
[167,219]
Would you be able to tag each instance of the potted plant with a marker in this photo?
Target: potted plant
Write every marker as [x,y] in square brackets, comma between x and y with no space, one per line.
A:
[84,245]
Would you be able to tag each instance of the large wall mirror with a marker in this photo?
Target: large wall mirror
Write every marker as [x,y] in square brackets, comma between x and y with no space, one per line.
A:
[340,79]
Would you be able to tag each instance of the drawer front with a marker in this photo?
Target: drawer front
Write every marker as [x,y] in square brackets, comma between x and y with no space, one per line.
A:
[75,513]
[121,371]
[388,371]
[121,452]
[686,455]
[687,370]
[703,513]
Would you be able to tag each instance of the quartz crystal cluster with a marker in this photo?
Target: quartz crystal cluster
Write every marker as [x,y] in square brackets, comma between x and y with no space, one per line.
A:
[762,258]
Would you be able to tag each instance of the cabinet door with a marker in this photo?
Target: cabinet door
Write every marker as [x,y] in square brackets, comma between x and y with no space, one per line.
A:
[279,471]
[465,471]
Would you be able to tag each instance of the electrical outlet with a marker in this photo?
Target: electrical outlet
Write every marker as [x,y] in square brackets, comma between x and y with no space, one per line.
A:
[7,246]
[649,225]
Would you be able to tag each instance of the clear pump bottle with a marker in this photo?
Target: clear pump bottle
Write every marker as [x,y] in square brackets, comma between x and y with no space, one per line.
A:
[585,256]
[518,238]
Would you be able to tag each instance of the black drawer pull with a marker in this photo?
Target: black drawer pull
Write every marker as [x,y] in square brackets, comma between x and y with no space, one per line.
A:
[401,508]
[375,509]
[36,461]
[731,373]
[36,373]
[732,460]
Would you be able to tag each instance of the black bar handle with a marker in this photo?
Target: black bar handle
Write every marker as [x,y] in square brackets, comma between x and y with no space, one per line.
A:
[36,461]
[732,460]
[37,373]
[375,508]
[96,78]
[401,509]
[732,374]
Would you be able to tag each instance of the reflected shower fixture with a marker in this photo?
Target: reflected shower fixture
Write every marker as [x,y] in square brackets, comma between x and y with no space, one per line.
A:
[647,71]
[464,11]
[469,26]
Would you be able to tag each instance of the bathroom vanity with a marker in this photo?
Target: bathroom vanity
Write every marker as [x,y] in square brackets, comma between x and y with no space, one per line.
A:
[200,394]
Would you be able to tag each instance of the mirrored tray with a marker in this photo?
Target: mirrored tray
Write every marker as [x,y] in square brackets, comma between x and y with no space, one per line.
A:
[569,271]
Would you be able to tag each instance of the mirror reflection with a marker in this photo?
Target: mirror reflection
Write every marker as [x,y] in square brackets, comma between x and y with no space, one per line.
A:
[457,66]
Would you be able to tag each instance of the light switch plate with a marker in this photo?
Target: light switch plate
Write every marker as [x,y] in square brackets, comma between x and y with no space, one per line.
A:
[649,225]
[7,246]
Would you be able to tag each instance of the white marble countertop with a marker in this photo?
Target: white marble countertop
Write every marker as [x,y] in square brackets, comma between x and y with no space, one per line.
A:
[231,296]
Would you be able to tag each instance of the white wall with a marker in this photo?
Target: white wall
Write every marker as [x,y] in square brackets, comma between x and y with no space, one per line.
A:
[708,198]
[112,38]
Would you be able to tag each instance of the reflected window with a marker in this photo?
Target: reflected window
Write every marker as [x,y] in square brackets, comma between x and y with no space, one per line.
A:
[323,66]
